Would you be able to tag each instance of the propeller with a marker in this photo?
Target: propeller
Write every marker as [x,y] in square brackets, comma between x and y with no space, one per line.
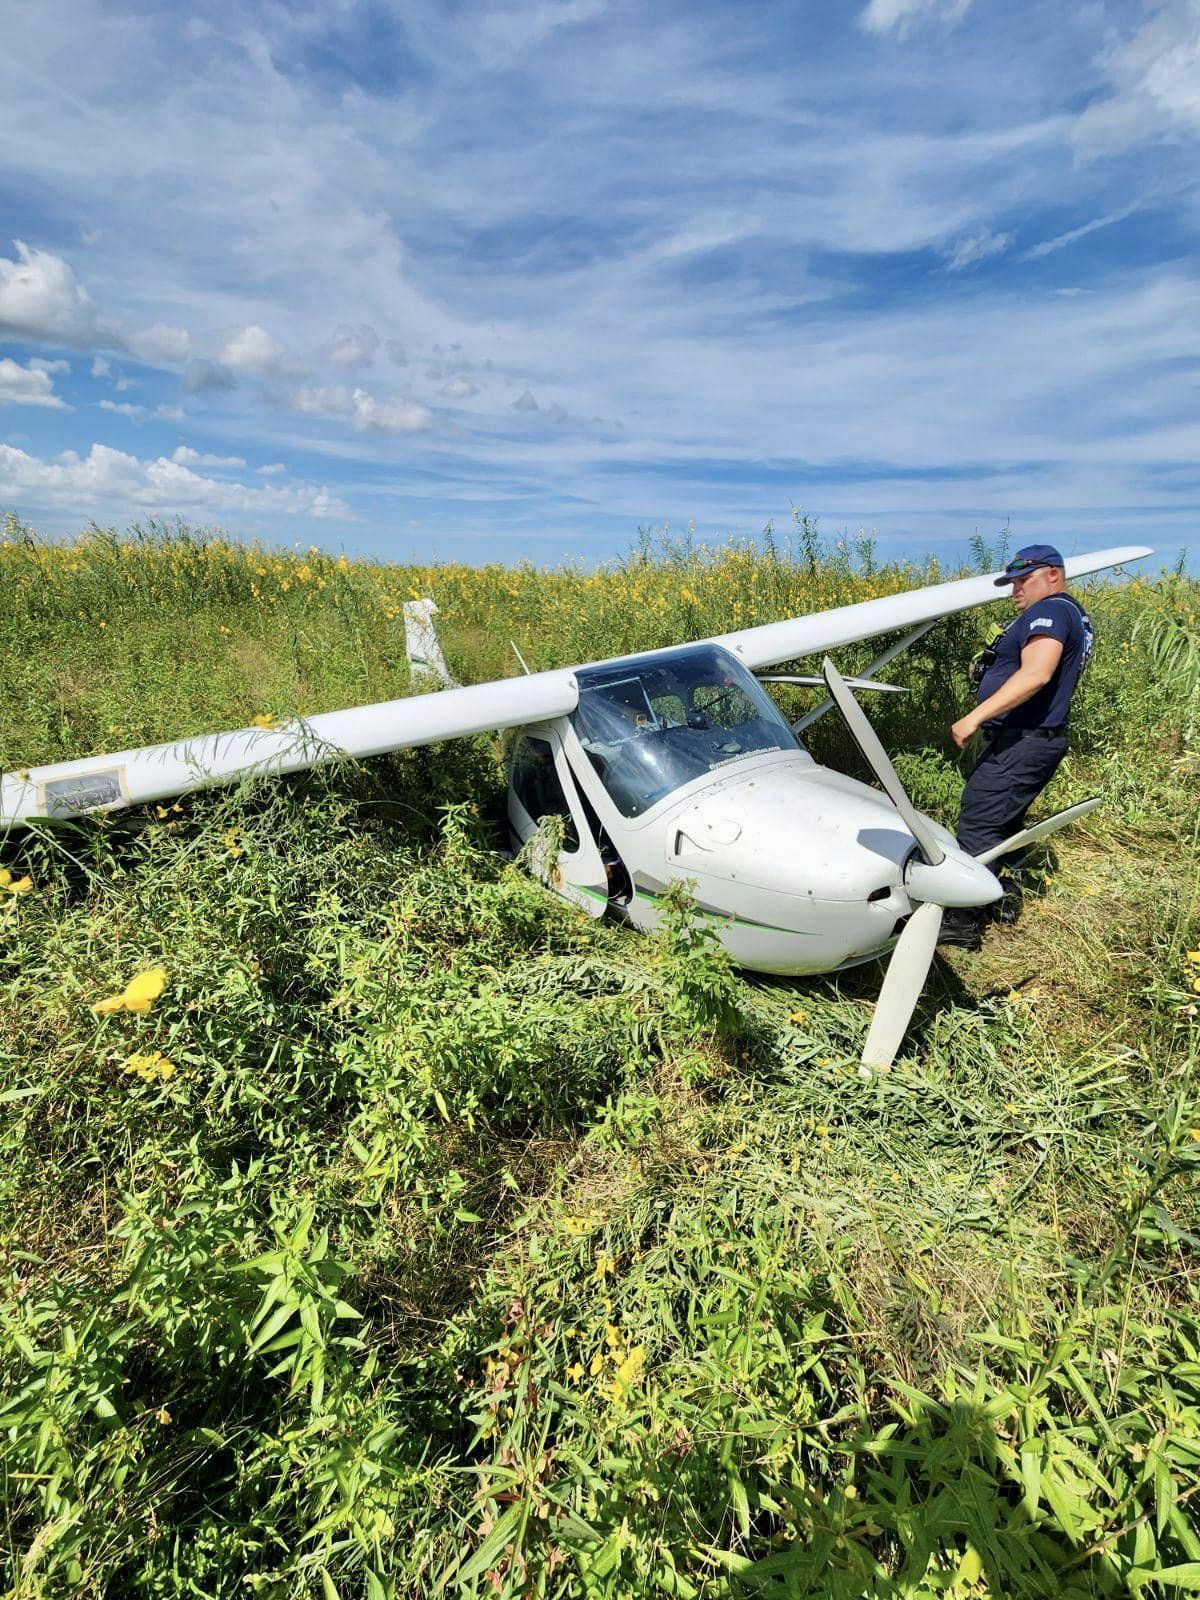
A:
[937,880]
[877,759]
[903,981]
[1039,830]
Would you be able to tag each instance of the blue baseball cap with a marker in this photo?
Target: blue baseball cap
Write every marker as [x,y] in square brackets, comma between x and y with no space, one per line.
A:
[1028,560]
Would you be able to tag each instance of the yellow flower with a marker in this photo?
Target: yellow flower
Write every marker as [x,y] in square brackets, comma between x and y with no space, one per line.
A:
[575,1371]
[264,720]
[139,994]
[233,843]
[596,1365]
[798,1018]
[628,1373]
[604,1265]
[150,1067]
[162,1416]
[13,885]
[578,1225]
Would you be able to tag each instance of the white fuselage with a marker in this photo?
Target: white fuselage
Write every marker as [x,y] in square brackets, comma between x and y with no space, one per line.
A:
[799,869]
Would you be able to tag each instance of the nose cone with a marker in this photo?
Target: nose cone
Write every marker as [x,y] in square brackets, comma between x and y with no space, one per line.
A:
[797,829]
[959,880]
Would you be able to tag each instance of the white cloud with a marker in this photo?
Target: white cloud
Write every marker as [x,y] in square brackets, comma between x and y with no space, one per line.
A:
[184,456]
[40,298]
[272,469]
[458,389]
[318,401]
[396,353]
[29,386]
[378,416]
[124,409]
[255,350]
[363,410]
[977,247]
[100,367]
[1155,80]
[354,347]
[169,413]
[1062,240]
[40,365]
[159,346]
[108,478]
[900,16]
[525,402]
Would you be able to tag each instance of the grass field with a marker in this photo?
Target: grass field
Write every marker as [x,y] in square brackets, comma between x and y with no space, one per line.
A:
[404,1233]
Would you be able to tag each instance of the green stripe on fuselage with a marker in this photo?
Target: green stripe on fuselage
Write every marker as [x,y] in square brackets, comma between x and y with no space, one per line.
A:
[714,916]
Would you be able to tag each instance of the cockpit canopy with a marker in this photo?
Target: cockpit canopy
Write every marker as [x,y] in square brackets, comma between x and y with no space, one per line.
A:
[651,725]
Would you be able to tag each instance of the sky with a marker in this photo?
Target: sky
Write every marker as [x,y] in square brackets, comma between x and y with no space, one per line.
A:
[513,279]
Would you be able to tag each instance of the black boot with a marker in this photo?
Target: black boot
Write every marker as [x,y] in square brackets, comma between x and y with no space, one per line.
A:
[961,927]
[1007,912]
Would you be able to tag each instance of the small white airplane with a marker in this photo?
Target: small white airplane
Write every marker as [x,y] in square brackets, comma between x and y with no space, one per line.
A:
[674,764]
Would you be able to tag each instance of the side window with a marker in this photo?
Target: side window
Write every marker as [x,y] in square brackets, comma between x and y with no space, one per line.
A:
[536,784]
[724,705]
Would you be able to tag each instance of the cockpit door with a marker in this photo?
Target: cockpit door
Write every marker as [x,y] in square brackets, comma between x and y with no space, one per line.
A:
[540,784]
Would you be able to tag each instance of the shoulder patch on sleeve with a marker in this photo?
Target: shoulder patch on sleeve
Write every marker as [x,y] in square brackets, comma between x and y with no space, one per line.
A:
[1041,622]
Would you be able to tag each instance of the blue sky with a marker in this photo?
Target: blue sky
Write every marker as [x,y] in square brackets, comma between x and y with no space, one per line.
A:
[512,280]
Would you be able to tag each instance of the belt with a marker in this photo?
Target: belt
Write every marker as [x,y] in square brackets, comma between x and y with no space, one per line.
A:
[1029,733]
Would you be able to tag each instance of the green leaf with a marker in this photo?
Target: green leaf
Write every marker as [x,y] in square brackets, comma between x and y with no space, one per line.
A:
[608,1558]
[1184,1576]
[279,1318]
[489,1549]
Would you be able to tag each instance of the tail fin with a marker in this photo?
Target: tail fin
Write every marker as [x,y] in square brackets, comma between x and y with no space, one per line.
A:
[425,658]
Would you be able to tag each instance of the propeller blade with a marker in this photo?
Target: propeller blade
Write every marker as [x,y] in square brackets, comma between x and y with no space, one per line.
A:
[1040,829]
[809,680]
[902,985]
[877,759]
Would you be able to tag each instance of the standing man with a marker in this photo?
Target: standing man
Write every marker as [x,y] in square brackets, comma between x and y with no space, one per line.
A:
[1023,684]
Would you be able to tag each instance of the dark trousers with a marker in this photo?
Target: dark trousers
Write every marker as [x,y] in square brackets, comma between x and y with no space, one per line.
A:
[1003,784]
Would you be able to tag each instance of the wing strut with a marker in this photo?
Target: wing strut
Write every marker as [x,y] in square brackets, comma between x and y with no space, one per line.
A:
[890,654]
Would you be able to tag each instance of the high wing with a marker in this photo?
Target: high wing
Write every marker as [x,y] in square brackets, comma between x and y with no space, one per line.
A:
[159,772]
[774,642]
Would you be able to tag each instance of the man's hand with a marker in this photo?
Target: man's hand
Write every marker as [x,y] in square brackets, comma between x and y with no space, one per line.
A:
[964,730]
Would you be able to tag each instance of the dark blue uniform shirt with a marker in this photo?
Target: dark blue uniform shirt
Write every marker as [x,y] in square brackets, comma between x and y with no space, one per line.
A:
[1061,617]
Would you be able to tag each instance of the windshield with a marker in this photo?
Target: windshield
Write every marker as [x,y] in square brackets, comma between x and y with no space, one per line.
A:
[651,726]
